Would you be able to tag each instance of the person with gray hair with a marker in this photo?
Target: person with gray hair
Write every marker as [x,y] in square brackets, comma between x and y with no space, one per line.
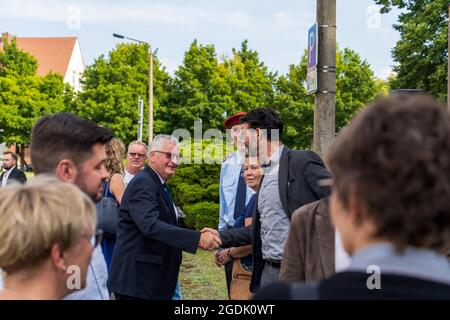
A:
[147,257]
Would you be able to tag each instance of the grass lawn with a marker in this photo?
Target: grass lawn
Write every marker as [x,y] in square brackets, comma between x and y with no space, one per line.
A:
[201,279]
[29,175]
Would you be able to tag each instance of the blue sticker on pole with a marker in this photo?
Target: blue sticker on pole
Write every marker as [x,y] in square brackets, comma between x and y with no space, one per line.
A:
[312,46]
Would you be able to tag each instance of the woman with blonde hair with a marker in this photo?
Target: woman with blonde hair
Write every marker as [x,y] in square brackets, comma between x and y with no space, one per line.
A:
[46,227]
[113,187]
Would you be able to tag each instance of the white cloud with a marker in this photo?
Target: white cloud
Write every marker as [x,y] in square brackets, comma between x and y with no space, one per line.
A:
[151,12]
[170,64]
[103,12]
[383,73]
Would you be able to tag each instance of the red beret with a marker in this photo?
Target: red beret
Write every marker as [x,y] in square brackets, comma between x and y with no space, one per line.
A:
[234,119]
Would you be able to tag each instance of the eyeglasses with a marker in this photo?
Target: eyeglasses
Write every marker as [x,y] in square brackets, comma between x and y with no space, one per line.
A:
[98,237]
[169,155]
[135,154]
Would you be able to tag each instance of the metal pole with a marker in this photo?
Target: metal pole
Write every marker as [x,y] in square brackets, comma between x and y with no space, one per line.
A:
[150,83]
[141,118]
[150,96]
[325,98]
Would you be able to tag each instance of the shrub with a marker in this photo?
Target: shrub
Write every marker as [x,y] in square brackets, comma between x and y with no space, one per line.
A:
[195,188]
[202,214]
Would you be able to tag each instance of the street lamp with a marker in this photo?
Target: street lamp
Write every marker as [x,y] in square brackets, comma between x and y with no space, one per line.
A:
[150,84]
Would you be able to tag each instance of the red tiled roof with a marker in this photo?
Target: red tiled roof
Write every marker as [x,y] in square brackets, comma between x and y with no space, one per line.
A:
[53,54]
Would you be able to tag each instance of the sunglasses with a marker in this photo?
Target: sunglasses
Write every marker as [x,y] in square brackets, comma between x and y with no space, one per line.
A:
[135,154]
[98,237]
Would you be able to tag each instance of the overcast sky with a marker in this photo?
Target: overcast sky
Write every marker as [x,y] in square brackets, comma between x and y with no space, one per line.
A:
[277,29]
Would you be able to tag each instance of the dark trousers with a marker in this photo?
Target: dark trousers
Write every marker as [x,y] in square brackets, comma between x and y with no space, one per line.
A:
[228,274]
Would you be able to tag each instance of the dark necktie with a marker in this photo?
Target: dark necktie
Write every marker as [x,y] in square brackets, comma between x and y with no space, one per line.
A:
[169,196]
[241,194]
[168,193]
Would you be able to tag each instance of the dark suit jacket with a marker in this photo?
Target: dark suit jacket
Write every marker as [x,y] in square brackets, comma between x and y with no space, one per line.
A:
[15,175]
[349,285]
[148,251]
[299,174]
[309,251]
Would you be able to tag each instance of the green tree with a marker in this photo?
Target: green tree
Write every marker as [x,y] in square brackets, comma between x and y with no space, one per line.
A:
[25,96]
[252,85]
[208,88]
[200,90]
[295,107]
[355,87]
[112,87]
[422,52]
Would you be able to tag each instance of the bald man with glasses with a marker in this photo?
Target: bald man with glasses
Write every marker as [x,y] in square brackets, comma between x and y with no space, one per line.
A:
[136,157]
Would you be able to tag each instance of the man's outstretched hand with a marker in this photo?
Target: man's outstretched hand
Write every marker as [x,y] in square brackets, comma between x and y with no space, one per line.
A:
[211,230]
[209,239]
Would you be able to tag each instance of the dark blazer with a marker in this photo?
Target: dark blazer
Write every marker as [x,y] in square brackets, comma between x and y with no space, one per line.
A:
[299,174]
[350,285]
[309,251]
[15,175]
[148,251]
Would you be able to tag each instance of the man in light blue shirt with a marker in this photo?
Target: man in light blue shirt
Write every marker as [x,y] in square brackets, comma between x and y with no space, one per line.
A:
[234,193]
[230,174]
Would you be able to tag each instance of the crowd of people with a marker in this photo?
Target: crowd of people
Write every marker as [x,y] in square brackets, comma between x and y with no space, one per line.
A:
[372,221]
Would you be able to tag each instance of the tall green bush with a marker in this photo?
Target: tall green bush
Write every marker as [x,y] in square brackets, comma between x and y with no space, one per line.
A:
[195,188]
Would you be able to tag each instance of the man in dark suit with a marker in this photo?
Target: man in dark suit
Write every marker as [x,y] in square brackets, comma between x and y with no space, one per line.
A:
[148,252]
[390,203]
[291,179]
[11,173]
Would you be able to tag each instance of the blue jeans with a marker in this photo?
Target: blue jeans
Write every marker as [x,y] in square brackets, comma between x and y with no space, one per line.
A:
[177,295]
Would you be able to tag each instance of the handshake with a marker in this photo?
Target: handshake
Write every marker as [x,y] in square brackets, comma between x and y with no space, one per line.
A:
[209,239]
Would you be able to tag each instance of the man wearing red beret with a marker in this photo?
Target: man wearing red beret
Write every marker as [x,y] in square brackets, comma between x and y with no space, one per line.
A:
[234,193]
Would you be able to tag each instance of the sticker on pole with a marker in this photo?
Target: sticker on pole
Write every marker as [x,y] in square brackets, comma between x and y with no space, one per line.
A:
[311,76]
[311,80]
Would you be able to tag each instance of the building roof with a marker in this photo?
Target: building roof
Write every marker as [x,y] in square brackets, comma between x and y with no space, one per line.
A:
[53,54]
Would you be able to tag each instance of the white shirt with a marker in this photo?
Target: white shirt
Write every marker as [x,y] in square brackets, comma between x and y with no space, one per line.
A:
[5,176]
[229,179]
[127,177]
[341,257]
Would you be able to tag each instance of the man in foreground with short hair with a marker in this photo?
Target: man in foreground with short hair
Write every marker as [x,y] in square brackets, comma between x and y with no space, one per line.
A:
[73,149]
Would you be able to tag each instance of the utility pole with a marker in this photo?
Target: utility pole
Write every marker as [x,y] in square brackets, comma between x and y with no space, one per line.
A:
[150,83]
[325,98]
[150,95]
[141,118]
